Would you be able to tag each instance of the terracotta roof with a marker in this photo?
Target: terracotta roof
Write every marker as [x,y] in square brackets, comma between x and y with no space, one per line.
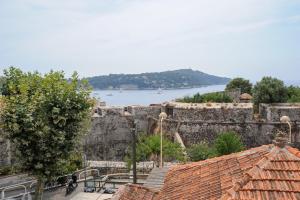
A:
[245,96]
[276,176]
[265,172]
[211,178]
[134,192]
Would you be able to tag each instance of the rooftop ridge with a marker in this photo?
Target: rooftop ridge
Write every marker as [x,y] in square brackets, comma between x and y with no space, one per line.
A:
[278,154]
[185,166]
[232,192]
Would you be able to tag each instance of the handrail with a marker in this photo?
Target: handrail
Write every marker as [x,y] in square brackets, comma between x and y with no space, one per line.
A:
[23,183]
[90,170]
[10,187]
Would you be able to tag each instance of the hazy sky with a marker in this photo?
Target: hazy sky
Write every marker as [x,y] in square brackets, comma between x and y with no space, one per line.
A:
[249,38]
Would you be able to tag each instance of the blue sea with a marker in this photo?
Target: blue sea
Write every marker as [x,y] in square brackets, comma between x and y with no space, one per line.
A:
[146,97]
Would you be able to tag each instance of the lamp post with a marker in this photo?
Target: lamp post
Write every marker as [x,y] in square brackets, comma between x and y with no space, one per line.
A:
[287,120]
[94,117]
[133,130]
[162,116]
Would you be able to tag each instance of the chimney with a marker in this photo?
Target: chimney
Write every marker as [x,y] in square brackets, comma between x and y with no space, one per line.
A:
[281,139]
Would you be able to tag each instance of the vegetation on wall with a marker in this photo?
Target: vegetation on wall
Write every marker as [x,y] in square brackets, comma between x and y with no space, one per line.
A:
[44,117]
[240,83]
[148,148]
[215,97]
[225,143]
[201,151]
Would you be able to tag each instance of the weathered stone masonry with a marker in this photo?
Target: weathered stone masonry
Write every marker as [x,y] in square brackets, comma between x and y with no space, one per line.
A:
[110,135]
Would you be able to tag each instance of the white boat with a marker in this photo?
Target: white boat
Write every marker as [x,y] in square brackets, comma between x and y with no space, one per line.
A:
[110,94]
[159,91]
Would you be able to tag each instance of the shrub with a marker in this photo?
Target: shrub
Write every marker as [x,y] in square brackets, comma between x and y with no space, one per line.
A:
[148,148]
[240,83]
[200,151]
[6,170]
[227,143]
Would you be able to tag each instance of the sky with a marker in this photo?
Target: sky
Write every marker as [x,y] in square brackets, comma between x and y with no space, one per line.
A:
[248,38]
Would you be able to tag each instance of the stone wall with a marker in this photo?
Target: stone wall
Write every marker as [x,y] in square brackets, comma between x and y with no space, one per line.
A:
[234,94]
[252,133]
[273,112]
[110,135]
[235,112]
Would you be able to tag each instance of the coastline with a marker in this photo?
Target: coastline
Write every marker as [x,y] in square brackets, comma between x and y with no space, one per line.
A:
[154,89]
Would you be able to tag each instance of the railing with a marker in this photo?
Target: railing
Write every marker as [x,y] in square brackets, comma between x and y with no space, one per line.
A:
[23,195]
[89,170]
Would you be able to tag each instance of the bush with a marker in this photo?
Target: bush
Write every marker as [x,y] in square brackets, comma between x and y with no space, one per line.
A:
[227,143]
[270,90]
[10,170]
[74,163]
[200,151]
[216,97]
[7,170]
[148,148]
[240,83]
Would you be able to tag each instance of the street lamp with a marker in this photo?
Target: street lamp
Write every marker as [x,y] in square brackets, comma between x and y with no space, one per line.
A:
[94,116]
[162,116]
[133,130]
[287,120]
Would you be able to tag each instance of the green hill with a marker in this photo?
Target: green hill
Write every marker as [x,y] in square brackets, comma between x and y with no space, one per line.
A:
[183,78]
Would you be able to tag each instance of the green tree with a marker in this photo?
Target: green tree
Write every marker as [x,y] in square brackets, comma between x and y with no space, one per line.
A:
[240,83]
[148,148]
[214,97]
[44,117]
[270,90]
[293,94]
[200,151]
[2,84]
[227,143]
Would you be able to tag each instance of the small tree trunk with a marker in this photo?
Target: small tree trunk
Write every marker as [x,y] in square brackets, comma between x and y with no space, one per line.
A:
[38,194]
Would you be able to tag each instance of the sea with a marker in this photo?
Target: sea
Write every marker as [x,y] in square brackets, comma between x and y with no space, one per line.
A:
[147,97]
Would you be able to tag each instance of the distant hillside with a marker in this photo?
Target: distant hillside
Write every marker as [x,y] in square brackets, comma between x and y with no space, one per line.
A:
[183,78]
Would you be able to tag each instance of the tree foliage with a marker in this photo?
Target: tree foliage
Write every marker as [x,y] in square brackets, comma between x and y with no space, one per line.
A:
[200,151]
[43,116]
[215,97]
[227,143]
[270,90]
[148,148]
[240,83]
[293,94]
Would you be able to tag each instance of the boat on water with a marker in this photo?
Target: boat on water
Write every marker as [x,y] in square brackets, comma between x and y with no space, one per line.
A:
[159,91]
[110,94]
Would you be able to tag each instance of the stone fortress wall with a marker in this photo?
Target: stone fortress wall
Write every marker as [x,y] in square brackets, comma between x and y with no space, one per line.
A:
[110,134]
[273,112]
[111,137]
